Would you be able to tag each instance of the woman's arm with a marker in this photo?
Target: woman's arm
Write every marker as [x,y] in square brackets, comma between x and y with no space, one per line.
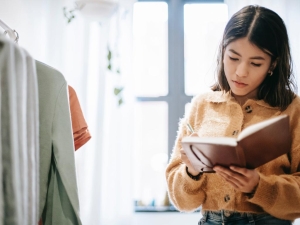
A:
[185,193]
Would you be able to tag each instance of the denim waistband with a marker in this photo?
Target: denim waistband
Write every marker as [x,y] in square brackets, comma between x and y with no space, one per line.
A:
[223,216]
[228,213]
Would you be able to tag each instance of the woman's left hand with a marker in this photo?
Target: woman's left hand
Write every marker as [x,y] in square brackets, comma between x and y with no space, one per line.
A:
[242,179]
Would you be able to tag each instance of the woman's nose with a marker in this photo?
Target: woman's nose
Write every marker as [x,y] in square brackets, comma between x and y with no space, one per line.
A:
[242,70]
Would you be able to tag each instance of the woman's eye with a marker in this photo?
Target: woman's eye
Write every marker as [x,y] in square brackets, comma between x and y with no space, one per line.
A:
[233,59]
[255,64]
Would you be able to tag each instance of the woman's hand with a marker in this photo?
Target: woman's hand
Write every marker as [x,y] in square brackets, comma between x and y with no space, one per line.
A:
[187,162]
[241,179]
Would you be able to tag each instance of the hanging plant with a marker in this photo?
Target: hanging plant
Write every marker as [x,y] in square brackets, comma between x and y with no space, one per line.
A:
[69,14]
[117,90]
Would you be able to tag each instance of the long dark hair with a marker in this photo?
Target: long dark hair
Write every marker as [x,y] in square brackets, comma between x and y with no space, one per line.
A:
[265,29]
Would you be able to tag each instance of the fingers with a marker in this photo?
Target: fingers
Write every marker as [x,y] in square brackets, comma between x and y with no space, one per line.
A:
[184,158]
[230,176]
[241,179]
[194,135]
[239,170]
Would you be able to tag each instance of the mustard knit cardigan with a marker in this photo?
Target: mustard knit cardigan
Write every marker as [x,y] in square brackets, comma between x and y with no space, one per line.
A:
[216,114]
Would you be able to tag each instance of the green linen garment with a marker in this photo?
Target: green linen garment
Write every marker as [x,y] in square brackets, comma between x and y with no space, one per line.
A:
[59,203]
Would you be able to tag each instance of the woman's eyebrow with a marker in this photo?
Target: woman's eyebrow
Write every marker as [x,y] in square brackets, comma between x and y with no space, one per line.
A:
[254,57]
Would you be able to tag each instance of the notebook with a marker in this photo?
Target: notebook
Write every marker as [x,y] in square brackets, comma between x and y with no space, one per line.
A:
[253,147]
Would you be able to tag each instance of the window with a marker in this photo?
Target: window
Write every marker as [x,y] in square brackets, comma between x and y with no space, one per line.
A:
[175,45]
[203,29]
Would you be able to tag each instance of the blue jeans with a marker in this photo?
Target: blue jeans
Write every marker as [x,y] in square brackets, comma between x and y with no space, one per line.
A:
[234,218]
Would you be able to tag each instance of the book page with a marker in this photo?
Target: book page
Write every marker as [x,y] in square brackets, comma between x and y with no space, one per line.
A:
[258,126]
[211,140]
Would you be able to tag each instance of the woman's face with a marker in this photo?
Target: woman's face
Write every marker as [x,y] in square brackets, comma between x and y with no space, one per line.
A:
[245,66]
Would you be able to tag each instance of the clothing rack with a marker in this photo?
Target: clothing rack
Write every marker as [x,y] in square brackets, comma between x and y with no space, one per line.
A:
[13,34]
[33,127]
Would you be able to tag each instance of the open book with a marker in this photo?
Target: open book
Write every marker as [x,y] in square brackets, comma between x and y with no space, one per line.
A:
[253,147]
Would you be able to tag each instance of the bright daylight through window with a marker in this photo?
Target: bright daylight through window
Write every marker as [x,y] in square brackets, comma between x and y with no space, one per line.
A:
[156,92]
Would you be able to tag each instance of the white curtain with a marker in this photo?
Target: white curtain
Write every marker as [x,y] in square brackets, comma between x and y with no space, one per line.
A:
[104,164]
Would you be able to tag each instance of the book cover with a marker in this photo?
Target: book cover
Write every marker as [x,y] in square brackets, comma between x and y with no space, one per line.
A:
[253,147]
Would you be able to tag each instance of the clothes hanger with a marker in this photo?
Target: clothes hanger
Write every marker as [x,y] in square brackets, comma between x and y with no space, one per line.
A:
[13,34]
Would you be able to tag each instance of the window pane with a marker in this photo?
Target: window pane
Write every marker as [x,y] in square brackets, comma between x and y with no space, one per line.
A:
[150,152]
[203,29]
[150,48]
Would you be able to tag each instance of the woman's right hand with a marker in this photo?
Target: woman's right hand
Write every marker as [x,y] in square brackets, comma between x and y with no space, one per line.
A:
[187,162]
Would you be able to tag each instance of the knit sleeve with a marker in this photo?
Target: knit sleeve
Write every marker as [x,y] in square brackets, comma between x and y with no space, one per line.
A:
[185,193]
[279,195]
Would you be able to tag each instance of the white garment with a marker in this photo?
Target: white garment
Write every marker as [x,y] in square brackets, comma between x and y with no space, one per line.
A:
[19,136]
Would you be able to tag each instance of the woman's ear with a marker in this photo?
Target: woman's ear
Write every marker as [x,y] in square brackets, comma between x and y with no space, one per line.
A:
[273,66]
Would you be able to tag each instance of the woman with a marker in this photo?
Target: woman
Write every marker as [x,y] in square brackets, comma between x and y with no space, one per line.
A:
[254,72]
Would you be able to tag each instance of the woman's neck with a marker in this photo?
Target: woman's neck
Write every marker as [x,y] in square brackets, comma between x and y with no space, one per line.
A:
[242,99]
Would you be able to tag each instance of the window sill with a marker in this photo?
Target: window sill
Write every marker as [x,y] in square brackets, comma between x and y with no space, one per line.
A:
[157,209]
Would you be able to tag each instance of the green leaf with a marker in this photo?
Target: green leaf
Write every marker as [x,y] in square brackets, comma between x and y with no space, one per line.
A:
[109,66]
[117,91]
[118,71]
[69,14]
[109,55]
[120,101]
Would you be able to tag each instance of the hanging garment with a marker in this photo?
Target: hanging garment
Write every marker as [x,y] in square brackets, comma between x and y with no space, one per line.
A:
[59,203]
[81,133]
[19,148]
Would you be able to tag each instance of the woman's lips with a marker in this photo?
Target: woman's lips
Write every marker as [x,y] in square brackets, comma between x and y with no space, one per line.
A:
[239,84]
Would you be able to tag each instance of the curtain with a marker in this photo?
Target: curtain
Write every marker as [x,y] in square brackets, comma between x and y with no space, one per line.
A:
[104,164]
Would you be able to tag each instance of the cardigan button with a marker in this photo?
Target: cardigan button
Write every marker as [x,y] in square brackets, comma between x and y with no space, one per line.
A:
[226,198]
[235,132]
[248,109]
[227,213]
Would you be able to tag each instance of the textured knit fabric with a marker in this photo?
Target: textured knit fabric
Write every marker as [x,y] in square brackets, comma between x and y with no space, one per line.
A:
[19,145]
[81,133]
[59,202]
[216,114]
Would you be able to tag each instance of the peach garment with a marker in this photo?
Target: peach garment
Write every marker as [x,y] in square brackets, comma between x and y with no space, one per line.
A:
[81,133]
